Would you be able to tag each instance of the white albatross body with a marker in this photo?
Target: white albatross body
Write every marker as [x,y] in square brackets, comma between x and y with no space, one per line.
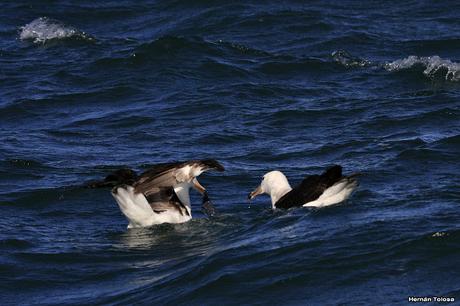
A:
[161,195]
[139,212]
[327,189]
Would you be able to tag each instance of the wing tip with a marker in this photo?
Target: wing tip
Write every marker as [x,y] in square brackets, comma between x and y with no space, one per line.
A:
[212,164]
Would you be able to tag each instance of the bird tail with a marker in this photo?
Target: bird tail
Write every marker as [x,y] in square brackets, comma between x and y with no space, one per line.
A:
[133,205]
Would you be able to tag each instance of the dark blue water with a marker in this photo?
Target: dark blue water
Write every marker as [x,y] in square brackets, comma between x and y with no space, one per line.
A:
[88,87]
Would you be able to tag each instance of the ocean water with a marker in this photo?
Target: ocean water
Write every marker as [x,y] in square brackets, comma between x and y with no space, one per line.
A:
[87,87]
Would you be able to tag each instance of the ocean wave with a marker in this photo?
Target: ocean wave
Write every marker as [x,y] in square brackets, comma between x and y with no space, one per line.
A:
[171,45]
[433,66]
[44,29]
[14,243]
[348,60]
[168,45]
[277,66]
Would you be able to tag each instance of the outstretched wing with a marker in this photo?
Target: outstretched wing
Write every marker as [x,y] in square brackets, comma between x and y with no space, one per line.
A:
[157,183]
[159,176]
[171,174]
[310,188]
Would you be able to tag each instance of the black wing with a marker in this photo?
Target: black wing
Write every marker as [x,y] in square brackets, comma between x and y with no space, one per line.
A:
[310,188]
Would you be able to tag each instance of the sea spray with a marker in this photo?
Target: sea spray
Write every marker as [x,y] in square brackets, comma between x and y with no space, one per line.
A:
[44,29]
[433,65]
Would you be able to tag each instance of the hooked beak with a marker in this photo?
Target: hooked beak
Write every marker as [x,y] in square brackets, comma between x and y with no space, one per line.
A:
[255,193]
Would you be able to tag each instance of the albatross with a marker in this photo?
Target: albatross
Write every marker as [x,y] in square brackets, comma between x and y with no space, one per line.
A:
[160,194]
[329,188]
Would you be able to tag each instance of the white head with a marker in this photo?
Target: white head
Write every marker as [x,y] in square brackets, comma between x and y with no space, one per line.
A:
[275,184]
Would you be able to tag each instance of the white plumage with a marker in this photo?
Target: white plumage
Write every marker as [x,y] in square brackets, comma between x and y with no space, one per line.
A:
[139,212]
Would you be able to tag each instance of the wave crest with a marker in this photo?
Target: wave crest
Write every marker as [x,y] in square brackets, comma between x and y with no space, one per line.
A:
[434,65]
[44,29]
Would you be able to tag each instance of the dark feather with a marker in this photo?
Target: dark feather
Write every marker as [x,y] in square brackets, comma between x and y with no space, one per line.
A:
[151,182]
[211,164]
[311,188]
[164,199]
[162,175]
[160,169]
[157,183]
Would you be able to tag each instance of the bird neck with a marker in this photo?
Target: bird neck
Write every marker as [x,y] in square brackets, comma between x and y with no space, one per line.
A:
[278,191]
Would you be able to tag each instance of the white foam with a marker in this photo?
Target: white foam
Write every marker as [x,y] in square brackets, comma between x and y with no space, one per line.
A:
[43,29]
[432,64]
[440,234]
